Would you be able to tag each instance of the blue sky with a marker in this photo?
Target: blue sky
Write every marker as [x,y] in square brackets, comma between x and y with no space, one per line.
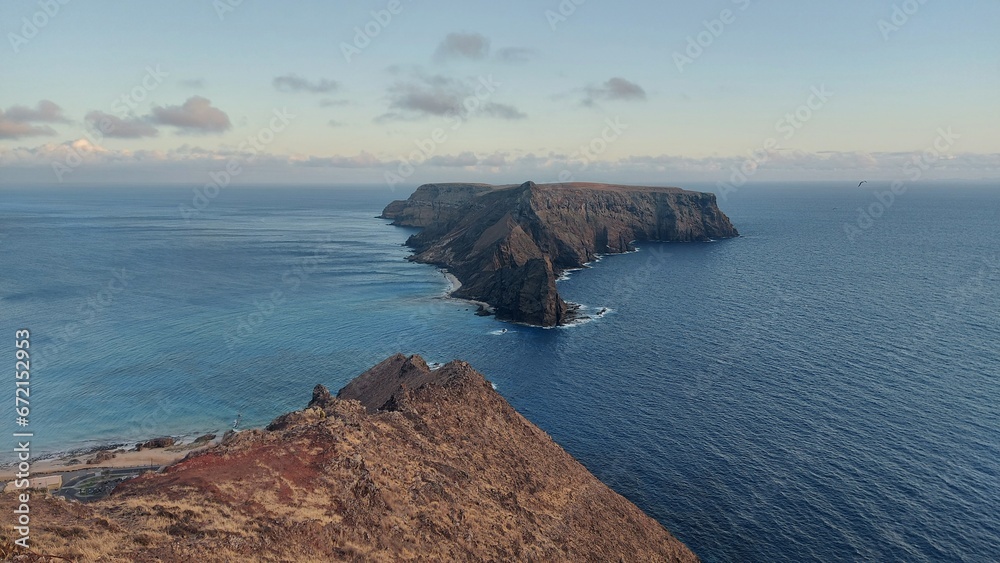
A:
[608,91]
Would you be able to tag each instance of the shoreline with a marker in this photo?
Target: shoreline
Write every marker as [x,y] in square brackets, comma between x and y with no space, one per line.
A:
[64,462]
[576,316]
[454,285]
[485,309]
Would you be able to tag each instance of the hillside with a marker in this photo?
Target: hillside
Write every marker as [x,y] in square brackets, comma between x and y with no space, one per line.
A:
[406,464]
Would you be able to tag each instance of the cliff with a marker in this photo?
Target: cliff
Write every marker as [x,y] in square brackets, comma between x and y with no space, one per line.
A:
[405,463]
[508,244]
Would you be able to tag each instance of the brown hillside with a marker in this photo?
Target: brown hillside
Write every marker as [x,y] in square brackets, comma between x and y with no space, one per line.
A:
[408,464]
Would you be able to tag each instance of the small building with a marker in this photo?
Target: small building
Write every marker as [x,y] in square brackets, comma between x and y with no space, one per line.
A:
[51,482]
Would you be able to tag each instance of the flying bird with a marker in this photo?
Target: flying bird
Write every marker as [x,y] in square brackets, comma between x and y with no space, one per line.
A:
[862,183]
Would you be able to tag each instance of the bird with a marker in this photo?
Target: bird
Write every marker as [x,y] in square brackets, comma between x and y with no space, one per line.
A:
[862,183]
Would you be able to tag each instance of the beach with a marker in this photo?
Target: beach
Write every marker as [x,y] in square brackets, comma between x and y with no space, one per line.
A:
[454,285]
[123,458]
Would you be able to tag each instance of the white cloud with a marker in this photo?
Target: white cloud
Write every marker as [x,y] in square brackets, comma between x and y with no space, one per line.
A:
[501,166]
[362,160]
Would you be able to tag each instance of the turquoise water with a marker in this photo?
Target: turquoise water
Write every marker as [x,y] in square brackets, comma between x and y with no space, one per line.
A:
[790,395]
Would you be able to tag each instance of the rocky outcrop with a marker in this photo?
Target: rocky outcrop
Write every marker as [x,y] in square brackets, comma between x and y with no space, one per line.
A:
[404,464]
[377,388]
[102,456]
[155,443]
[508,244]
[203,439]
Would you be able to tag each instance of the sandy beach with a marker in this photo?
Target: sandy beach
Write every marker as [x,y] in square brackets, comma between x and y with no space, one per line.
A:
[454,284]
[123,458]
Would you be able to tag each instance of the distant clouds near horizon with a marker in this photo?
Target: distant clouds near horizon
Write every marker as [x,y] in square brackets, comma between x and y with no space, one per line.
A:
[469,96]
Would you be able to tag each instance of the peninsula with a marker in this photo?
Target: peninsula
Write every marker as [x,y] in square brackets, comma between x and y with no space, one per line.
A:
[508,244]
[406,463]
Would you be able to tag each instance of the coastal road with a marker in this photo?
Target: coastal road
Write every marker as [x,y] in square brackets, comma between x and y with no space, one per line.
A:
[86,485]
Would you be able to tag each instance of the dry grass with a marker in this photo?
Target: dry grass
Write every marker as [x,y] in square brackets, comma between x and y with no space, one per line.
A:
[454,474]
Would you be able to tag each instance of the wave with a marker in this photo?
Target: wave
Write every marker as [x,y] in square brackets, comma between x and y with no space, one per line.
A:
[565,274]
[584,316]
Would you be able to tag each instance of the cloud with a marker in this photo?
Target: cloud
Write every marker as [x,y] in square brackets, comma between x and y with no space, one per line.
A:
[473,46]
[96,155]
[468,159]
[502,111]
[196,116]
[437,95]
[115,127]
[293,83]
[789,161]
[454,161]
[16,129]
[366,160]
[515,55]
[476,47]
[493,160]
[434,95]
[361,160]
[193,83]
[18,121]
[35,164]
[335,123]
[45,111]
[614,89]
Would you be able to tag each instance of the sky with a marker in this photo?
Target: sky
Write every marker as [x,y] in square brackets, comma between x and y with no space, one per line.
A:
[403,92]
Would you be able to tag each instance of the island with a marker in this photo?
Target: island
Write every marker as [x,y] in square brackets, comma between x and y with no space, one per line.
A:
[405,463]
[506,245]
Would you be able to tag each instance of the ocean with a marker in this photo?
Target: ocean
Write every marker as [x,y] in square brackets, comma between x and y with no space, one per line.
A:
[824,388]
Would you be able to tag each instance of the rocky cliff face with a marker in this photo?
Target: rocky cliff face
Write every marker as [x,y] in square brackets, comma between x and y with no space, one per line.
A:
[405,463]
[508,244]
[434,203]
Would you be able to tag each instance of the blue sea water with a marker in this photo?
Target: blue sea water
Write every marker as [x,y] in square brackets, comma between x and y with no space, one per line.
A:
[791,395]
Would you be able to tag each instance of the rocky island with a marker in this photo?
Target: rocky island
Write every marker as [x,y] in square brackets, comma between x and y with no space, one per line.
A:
[508,244]
[404,464]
